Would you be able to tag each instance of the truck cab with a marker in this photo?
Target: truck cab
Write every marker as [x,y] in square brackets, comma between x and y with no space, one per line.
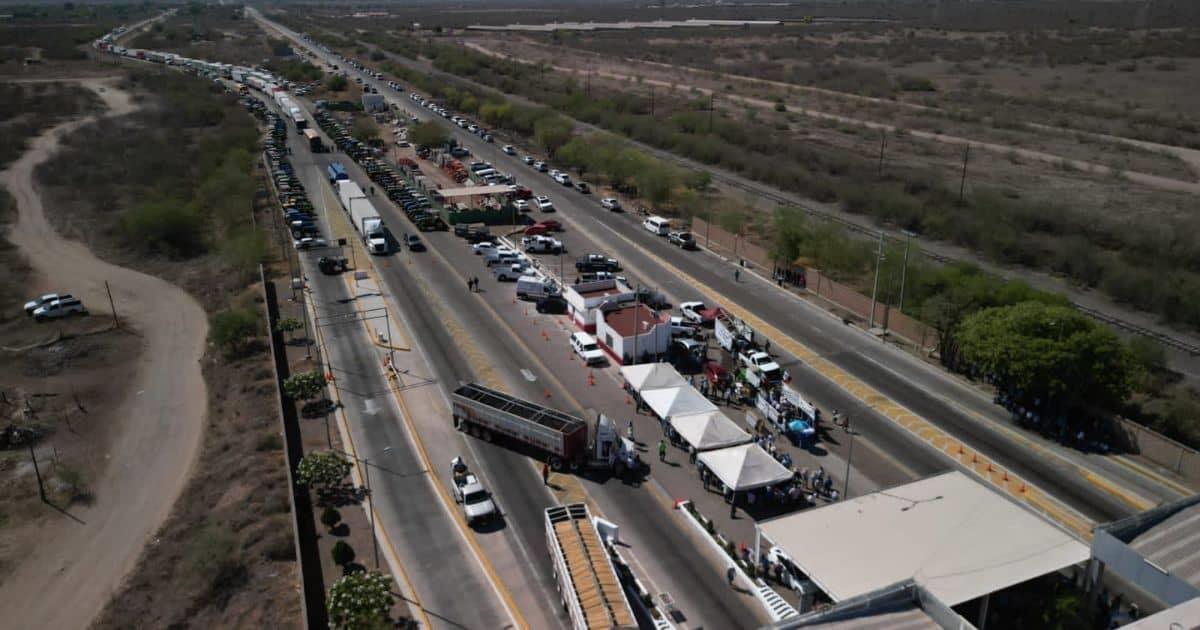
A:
[611,450]
[761,369]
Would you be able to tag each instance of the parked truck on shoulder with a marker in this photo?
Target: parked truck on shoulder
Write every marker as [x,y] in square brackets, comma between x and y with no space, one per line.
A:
[557,437]
[587,581]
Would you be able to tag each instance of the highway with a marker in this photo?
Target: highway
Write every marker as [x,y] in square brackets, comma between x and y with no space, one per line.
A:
[429,288]
[955,407]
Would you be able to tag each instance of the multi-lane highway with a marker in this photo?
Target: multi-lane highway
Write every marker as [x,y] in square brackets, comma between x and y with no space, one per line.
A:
[431,286]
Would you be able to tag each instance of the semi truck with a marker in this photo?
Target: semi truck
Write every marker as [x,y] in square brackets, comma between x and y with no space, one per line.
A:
[559,438]
[314,141]
[363,215]
[587,581]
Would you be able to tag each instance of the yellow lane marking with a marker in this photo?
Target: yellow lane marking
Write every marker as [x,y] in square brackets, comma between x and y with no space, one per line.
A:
[1144,471]
[359,251]
[344,431]
[883,405]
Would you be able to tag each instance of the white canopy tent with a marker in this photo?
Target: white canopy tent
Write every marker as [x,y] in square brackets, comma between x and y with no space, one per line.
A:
[709,430]
[676,401]
[958,538]
[745,467]
[648,376]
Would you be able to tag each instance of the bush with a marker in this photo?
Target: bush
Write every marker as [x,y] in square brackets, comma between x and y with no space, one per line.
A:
[331,517]
[342,553]
[269,442]
[325,468]
[337,83]
[230,330]
[360,600]
[165,227]
[429,135]
[304,386]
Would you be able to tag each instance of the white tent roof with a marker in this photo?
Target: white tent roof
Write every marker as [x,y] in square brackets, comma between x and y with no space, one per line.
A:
[958,538]
[652,376]
[708,430]
[676,401]
[745,467]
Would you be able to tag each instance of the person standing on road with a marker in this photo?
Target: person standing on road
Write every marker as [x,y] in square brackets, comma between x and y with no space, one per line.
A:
[545,473]
[737,275]
[662,450]
[470,285]
[731,574]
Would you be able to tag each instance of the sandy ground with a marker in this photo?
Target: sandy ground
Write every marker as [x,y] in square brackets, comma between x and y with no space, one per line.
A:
[66,582]
[1147,179]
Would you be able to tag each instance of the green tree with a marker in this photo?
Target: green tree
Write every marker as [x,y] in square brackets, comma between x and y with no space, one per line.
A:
[551,132]
[330,517]
[288,325]
[1051,352]
[342,553]
[337,83]
[360,601]
[366,129]
[305,385]
[231,329]
[429,135]
[324,468]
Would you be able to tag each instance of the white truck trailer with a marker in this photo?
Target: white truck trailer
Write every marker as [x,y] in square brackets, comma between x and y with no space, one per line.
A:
[559,437]
[731,333]
[363,215]
[587,582]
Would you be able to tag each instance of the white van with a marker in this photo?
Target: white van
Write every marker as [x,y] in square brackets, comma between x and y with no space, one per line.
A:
[535,288]
[586,347]
[657,225]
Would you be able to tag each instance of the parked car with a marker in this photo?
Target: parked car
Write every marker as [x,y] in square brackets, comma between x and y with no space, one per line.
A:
[597,262]
[551,225]
[508,149]
[583,188]
[332,265]
[414,243]
[544,204]
[563,179]
[521,205]
[42,300]
[683,240]
[529,159]
[541,167]
[609,203]
[308,242]
[62,307]
[552,305]
[586,347]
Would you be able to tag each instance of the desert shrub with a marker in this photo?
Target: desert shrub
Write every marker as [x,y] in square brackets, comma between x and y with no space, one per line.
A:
[230,330]
[165,226]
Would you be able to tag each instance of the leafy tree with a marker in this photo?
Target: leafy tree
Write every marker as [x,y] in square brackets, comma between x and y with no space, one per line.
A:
[325,468]
[337,83]
[304,386]
[552,132]
[231,329]
[366,129]
[429,134]
[1051,352]
[342,553]
[360,601]
[288,325]
[331,517]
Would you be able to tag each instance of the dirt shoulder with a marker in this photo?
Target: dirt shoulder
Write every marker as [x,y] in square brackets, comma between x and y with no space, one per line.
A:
[157,429]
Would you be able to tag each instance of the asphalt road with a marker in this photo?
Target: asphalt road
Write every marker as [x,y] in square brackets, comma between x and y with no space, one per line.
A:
[438,561]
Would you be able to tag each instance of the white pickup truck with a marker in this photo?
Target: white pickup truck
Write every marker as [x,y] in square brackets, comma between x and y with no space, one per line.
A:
[538,244]
[761,369]
[476,502]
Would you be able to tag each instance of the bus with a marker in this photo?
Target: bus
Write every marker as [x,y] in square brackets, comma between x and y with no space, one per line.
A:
[314,141]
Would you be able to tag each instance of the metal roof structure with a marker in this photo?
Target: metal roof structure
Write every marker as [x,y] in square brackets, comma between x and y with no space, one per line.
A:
[708,430]
[954,536]
[647,376]
[745,467]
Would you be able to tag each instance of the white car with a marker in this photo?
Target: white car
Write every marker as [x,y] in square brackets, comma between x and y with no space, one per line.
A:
[483,247]
[693,311]
[586,347]
[509,150]
[309,242]
[61,307]
[541,167]
[528,159]
[544,204]
[521,205]
[554,173]
[609,203]
[563,179]
[43,300]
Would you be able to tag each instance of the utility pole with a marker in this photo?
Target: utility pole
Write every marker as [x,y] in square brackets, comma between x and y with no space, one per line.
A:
[962,185]
[712,103]
[904,272]
[652,101]
[882,145]
[111,305]
[875,287]
[37,471]
[371,498]
[849,456]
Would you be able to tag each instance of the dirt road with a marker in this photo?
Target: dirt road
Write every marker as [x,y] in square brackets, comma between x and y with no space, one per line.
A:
[65,582]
